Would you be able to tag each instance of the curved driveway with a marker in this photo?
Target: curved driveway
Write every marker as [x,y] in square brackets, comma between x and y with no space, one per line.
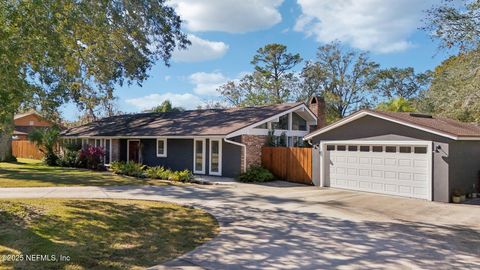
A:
[284,226]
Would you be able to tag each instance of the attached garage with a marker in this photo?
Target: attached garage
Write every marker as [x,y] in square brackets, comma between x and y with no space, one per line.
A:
[401,154]
[395,168]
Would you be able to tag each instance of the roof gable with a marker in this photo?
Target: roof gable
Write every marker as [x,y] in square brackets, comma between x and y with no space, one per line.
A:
[444,127]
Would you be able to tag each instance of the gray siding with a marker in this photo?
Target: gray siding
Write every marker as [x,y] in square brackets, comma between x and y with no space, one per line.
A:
[231,160]
[465,165]
[372,128]
[180,155]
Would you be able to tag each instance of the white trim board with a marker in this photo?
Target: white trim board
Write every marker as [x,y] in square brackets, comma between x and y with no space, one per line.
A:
[369,113]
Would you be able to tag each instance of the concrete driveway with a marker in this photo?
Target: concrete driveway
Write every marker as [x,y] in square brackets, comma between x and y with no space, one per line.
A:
[285,226]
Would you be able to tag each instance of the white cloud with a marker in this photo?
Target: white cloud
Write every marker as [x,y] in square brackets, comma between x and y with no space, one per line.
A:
[232,16]
[207,83]
[200,50]
[186,100]
[381,26]
[167,78]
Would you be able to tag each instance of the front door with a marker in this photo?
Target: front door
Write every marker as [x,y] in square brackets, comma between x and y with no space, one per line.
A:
[133,151]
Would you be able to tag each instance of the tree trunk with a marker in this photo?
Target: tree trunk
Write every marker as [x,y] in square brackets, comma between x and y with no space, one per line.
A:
[6,132]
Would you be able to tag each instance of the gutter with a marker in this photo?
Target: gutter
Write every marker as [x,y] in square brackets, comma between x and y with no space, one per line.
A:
[244,150]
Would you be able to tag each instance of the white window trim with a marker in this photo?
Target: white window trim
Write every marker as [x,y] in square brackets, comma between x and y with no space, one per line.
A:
[128,147]
[203,156]
[164,147]
[219,173]
[110,151]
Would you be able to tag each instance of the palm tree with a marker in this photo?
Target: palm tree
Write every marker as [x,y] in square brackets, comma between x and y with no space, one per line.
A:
[46,140]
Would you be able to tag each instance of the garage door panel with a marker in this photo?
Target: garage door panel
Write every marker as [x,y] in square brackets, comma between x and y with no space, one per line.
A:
[404,174]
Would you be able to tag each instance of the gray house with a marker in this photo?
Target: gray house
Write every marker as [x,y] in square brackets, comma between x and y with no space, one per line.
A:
[404,154]
[220,142]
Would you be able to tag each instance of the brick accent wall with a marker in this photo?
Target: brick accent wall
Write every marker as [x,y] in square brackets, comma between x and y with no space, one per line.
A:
[115,150]
[317,106]
[254,144]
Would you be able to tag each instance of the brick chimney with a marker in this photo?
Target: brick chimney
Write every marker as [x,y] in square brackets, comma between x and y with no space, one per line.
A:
[317,106]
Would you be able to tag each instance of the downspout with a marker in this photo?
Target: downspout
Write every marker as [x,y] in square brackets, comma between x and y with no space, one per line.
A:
[244,150]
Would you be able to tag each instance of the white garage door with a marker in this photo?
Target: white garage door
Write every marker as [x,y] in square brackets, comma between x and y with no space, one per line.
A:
[402,170]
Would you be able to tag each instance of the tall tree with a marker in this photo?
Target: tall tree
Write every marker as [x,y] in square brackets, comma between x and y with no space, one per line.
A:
[455,89]
[402,82]
[271,82]
[455,24]
[54,51]
[345,78]
[399,104]
[167,106]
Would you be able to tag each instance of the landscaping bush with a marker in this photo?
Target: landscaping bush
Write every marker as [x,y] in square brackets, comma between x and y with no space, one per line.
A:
[70,155]
[166,174]
[128,168]
[256,174]
[91,158]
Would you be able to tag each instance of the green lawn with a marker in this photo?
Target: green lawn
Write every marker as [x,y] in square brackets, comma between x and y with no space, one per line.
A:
[32,173]
[99,234]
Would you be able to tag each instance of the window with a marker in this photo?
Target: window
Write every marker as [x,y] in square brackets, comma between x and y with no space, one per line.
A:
[405,149]
[377,148]
[107,147]
[341,148]
[298,142]
[262,126]
[215,157]
[353,148]
[390,149]
[282,123]
[31,123]
[330,147]
[364,148]
[298,123]
[420,150]
[161,147]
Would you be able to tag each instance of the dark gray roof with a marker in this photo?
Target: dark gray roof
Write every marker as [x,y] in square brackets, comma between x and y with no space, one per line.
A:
[186,123]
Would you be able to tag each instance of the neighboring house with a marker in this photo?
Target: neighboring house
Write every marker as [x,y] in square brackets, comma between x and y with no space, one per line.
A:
[405,154]
[219,142]
[26,122]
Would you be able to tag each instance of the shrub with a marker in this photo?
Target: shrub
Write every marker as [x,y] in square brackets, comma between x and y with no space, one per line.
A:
[70,155]
[129,168]
[157,173]
[167,174]
[185,175]
[91,158]
[256,174]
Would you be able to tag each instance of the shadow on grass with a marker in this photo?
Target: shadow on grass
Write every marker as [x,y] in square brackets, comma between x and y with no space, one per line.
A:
[101,234]
[36,174]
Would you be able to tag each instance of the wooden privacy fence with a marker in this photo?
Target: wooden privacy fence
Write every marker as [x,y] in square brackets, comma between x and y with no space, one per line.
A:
[26,149]
[292,164]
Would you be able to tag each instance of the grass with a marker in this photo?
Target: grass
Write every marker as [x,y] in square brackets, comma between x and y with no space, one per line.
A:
[32,173]
[99,234]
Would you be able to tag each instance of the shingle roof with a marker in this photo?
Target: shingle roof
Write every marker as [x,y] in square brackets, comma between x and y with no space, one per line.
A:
[434,124]
[187,123]
[441,124]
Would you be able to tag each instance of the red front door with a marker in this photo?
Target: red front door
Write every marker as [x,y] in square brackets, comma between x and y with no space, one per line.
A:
[133,151]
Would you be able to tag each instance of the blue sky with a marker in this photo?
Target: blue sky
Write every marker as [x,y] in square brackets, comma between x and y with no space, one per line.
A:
[226,33]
